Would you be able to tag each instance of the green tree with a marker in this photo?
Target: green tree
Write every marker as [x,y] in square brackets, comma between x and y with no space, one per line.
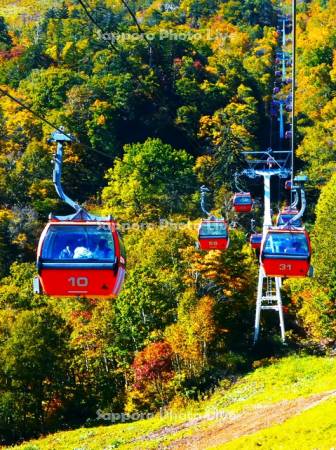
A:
[314,299]
[152,180]
[252,12]
[7,249]
[324,258]
[47,88]
[5,39]
[16,289]
[146,304]
[32,359]
[314,308]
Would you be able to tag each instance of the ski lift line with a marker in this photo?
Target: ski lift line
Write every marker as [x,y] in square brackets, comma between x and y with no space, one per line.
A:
[60,138]
[263,152]
[92,19]
[132,14]
[272,157]
[281,119]
[300,213]
[253,173]
[269,152]
[296,200]
[135,20]
[216,167]
[293,86]
[284,32]
[280,163]
[55,127]
[264,161]
[204,190]
[141,83]
[43,119]
[237,185]
[271,131]
[281,53]
[284,75]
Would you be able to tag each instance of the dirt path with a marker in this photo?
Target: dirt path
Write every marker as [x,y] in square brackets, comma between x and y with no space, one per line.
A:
[248,422]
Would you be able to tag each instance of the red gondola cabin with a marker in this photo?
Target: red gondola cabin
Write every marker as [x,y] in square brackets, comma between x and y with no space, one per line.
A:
[242,202]
[288,185]
[255,240]
[213,234]
[286,252]
[81,258]
[286,215]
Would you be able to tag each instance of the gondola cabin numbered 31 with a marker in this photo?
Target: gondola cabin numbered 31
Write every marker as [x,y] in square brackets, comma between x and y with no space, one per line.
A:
[80,258]
[286,253]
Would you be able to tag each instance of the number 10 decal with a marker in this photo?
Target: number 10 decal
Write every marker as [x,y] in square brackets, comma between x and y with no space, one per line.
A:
[78,281]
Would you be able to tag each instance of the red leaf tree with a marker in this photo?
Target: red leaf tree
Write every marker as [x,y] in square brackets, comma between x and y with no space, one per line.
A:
[153,368]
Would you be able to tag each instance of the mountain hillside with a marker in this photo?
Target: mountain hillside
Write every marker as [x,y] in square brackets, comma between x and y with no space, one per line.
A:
[274,407]
[145,287]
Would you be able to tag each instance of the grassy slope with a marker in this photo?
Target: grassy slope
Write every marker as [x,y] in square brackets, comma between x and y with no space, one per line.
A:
[313,429]
[287,379]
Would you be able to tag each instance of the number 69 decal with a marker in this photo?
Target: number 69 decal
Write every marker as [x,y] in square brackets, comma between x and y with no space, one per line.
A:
[78,281]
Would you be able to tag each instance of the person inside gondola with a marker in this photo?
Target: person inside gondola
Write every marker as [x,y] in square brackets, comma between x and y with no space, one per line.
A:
[103,251]
[67,252]
[284,244]
[243,200]
[214,229]
[297,247]
[81,251]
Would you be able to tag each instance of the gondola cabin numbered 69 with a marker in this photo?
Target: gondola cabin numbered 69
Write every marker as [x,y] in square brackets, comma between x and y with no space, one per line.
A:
[213,235]
[80,258]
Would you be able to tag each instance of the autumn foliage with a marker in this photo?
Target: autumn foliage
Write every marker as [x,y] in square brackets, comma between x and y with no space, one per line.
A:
[153,364]
[153,121]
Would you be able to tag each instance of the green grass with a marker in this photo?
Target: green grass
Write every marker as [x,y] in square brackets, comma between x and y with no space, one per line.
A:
[288,378]
[109,437]
[313,429]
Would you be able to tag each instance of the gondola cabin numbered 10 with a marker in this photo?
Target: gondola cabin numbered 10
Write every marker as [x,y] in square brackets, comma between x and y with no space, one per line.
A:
[80,258]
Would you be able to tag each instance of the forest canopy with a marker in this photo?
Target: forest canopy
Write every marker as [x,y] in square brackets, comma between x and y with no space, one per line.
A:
[161,98]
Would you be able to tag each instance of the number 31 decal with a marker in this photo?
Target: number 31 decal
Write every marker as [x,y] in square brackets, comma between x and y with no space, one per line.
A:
[285,267]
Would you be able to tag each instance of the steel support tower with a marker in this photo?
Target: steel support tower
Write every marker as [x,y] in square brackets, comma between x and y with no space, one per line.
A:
[267,165]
